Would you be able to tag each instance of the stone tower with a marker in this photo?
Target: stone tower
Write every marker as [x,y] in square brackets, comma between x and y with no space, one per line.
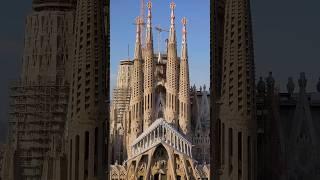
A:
[87,105]
[120,101]
[136,103]
[39,100]
[172,73]
[122,91]
[237,112]
[184,85]
[149,67]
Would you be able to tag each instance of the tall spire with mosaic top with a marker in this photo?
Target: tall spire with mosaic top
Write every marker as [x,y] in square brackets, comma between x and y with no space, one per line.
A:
[149,67]
[172,73]
[237,112]
[136,102]
[184,84]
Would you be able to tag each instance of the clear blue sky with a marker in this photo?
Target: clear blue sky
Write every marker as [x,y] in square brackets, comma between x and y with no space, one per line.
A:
[124,12]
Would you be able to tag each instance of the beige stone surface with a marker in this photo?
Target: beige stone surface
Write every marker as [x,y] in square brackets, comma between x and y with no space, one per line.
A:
[158,124]
[237,111]
[39,98]
[87,103]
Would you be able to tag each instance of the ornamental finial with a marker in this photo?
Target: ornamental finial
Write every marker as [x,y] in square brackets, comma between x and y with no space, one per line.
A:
[149,5]
[302,81]
[184,21]
[172,7]
[149,23]
[184,51]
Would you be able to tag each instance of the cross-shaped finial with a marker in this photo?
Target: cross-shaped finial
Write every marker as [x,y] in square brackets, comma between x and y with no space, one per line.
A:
[184,21]
[149,5]
[184,29]
[172,5]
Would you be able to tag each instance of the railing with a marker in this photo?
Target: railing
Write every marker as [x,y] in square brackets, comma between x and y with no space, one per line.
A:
[161,132]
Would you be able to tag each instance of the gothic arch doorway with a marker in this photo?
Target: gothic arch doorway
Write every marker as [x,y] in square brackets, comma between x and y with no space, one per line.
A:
[159,165]
[142,166]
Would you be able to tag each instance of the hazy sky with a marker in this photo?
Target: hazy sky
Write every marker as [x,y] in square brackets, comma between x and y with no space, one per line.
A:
[12,18]
[124,12]
[287,39]
[286,36]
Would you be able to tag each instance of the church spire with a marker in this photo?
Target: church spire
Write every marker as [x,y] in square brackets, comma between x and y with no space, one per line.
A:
[149,37]
[172,35]
[172,73]
[184,50]
[83,124]
[184,85]
[149,68]
[137,86]
[238,105]
[138,51]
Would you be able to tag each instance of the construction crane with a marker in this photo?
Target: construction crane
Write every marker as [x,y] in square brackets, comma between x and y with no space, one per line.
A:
[142,16]
[160,30]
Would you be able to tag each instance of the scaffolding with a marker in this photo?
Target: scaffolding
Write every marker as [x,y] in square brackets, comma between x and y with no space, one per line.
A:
[38,112]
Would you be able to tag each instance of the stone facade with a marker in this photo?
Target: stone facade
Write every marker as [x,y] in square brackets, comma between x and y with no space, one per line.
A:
[200,124]
[166,123]
[9,168]
[86,133]
[237,110]
[121,100]
[39,99]
[286,123]
[287,131]
[60,102]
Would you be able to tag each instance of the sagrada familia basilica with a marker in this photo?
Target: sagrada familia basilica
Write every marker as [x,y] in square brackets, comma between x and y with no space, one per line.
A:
[159,124]
[63,126]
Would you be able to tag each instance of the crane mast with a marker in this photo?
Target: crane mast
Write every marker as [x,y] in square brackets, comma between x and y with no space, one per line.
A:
[142,26]
[160,30]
